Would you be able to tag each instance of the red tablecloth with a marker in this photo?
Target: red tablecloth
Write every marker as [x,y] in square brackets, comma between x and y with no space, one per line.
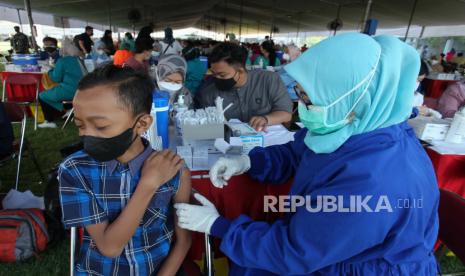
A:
[450,171]
[22,90]
[241,196]
[435,88]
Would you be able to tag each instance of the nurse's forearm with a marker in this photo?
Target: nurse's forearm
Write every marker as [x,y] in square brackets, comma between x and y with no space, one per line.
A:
[278,117]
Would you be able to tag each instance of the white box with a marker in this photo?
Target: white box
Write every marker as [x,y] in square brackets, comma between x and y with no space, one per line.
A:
[192,133]
[430,129]
[250,138]
[200,159]
[185,152]
[251,141]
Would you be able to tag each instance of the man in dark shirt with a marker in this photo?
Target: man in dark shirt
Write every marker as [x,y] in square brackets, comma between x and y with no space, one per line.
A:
[20,42]
[259,97]
[84,42]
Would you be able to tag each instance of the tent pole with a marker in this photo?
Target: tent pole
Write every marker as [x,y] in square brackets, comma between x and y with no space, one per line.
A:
[410,19]
[20,22]
[240,20]
[422,31]
[63,26]
[27,4]
[366,15]
[298,30]
[109,14]
[224,16]
[272,19]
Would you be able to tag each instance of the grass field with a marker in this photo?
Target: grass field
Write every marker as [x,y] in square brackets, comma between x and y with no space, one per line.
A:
[46,144]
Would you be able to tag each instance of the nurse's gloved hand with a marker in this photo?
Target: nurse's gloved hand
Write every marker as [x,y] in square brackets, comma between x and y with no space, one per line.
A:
[198,218]
[225,168]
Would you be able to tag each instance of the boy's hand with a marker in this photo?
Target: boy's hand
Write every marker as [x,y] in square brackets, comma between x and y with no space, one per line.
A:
[159,168]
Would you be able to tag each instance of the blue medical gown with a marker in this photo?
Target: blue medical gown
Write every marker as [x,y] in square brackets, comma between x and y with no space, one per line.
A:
[386,162]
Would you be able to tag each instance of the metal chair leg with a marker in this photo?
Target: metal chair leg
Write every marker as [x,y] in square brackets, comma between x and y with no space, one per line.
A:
[36,115]
[21,145]
[208,263]
[34,159]
[71,114]
[4,91]
[72,251]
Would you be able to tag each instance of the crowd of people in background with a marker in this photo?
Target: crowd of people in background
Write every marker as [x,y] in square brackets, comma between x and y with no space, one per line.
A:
[141,52]
[182,70]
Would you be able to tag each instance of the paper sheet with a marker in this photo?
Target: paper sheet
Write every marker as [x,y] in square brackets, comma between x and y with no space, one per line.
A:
[443,147]
[277,135]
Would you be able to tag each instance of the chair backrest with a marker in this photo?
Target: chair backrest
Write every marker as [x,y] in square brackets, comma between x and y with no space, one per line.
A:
[15,112]
[452,222]
[21,88]
[22,79]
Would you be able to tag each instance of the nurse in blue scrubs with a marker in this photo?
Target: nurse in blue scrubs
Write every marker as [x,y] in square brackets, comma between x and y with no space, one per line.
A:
[356,143]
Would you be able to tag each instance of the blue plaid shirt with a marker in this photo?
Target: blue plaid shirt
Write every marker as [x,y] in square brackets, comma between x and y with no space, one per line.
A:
[93,192]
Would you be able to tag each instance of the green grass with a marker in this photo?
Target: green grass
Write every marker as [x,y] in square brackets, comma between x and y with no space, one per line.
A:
[55,261]
[46,144]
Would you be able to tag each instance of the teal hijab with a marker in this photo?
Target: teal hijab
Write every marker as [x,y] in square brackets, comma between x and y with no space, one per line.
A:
[336,65]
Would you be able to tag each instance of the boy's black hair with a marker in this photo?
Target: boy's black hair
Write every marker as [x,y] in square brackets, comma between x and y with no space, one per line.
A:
[230,53]
[89,28]
[134,89]
[144,44]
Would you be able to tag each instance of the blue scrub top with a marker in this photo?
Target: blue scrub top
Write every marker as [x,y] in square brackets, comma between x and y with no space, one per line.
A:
[387,162]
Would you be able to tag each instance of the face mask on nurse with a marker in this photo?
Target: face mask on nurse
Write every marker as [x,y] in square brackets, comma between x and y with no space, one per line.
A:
[315,118]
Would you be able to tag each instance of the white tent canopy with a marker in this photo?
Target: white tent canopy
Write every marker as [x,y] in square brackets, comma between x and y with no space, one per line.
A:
[248,16]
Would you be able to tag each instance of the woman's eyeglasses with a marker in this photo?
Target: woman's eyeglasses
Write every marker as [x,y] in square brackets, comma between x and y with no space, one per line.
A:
[302,96]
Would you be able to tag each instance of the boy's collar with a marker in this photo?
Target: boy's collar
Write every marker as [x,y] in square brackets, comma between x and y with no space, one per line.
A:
[135,164]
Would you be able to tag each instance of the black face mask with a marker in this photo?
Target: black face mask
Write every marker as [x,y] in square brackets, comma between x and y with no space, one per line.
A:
[106,149]
[50,49]
[225,84]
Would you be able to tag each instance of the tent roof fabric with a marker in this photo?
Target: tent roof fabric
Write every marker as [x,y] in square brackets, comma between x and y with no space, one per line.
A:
[257,15]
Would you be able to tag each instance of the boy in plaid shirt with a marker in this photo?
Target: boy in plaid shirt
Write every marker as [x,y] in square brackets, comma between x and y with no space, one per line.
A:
[118,189]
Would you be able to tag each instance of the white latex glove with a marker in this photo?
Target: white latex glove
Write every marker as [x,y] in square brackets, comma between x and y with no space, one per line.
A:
[225,168]
[434,113]
[198,218]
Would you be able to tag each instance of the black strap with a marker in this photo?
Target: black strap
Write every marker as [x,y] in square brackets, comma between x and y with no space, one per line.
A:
[169,45]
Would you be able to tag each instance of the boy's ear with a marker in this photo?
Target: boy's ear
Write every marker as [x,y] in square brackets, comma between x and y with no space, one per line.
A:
[143,124]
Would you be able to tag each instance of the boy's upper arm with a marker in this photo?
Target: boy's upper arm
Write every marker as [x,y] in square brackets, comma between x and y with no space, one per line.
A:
[184,191]
[79,205]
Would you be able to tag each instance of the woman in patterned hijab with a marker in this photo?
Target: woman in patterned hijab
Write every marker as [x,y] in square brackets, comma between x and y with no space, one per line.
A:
[171,75]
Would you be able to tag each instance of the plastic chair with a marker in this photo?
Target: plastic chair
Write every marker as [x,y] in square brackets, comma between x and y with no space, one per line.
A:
[451,222]
[17,115]
[21,80]
[208,262]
